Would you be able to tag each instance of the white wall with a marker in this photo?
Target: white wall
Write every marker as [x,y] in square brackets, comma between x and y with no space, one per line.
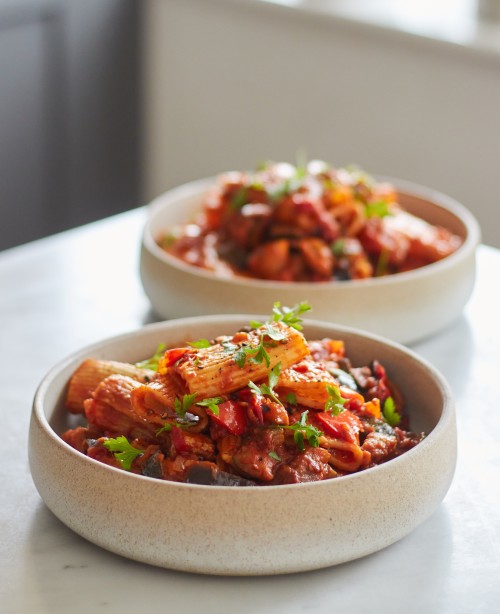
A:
[230,83]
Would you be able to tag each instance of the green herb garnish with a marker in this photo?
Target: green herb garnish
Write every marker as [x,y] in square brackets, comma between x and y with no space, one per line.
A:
[200,344]
[255,354]
[268,389]
[123,451]
[288,315]
[390,413]
[212,404]
[378,208]
[258,354]
[335,403]
[181,407]
[166,428]
[239,198]
[303,431]
[152,363]
[168,240]
[337,247]
[273,454]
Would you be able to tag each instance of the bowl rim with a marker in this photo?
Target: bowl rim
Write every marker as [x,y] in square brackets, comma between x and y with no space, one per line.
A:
[38,414]
[439,199]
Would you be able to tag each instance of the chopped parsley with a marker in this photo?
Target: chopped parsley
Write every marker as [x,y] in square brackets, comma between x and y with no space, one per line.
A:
[258,354]
[337,247]
[335,403]
[212,404]
[123,451]
[239,198]
[166,428]
[184,418]
[152,362]
[288,315]
[378,208]
[303,431]
[390,413]
[268,389]
[200,344]
[181,406]
[273,454]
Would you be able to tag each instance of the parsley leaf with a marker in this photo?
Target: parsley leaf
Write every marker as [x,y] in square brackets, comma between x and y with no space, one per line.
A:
[152,363]
[337,247]
[212,404]
[241,353]
[378,208]
[201,343]
[258,354]
[390,413]
[166,428]
[239,198]
[268,389]
[255,354]
[335,403]
[273,454]
[290,315]
[181,407]
[272,333]
[303,431]
[124,452]
[287,315]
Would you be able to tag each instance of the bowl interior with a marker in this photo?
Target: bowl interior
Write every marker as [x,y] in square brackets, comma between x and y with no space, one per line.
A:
[180,205]
[425,392]
[87,495]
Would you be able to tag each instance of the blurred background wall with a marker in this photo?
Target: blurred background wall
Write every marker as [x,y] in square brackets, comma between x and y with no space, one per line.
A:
[69,114]
[104,104]
[229,83]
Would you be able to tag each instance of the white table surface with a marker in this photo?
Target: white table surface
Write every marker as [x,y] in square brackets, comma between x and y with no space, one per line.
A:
[64,292]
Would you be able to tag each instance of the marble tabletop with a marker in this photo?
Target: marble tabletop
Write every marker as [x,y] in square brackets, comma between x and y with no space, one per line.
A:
[64,292]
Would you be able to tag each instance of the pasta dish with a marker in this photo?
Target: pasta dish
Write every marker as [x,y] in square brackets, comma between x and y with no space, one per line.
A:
[313,223]
[262,406]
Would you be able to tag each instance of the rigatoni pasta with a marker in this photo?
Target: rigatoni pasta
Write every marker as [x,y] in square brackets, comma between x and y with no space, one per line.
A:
[262,406]
[311,222]
[217,370]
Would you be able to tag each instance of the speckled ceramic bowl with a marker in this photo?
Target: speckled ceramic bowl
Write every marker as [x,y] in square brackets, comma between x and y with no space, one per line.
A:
[238,530]
[403,307]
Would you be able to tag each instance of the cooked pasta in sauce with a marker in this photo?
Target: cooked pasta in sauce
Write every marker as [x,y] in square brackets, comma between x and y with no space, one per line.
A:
[263,406]
[315,223]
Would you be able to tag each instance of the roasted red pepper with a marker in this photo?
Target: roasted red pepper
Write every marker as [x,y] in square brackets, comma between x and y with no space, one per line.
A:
[172,356]
[178,440]
[232,416]
[354,400]
[345,426]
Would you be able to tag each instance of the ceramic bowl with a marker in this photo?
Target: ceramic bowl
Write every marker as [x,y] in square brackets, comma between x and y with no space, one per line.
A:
[405,307]
[236,530]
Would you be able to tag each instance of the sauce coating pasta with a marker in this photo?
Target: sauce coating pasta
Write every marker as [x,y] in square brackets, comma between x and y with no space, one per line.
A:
[263,406]
[316,223]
